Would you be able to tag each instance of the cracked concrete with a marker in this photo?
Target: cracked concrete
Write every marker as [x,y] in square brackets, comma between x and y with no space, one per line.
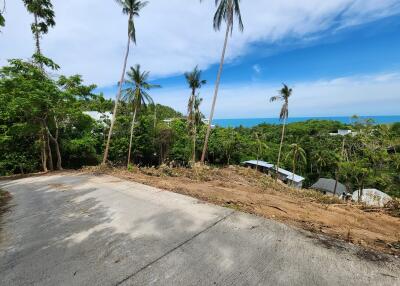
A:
[74,229]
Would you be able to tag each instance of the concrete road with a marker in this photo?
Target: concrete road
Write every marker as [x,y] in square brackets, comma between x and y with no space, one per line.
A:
[71,229]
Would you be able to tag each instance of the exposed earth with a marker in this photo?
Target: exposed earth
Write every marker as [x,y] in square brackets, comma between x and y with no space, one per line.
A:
[73,228]
[256,193]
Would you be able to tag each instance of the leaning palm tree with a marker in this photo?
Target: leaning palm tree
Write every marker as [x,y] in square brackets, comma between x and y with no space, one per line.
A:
[195,82]
[284,95]
[136,93]
[132,9]
[226,10]
[296,153]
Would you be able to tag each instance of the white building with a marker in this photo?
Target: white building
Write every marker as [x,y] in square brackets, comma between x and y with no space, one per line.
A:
[343,132]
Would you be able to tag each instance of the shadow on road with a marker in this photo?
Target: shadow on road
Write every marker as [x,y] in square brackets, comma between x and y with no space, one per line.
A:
[81,230]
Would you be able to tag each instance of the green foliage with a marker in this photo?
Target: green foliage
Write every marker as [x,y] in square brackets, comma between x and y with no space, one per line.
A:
[2,20]
[44,15]
[32,102]
[395,129]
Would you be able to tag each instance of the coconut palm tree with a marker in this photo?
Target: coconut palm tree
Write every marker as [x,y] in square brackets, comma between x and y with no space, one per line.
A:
[43,14]
[296,153]
[261,145]
[284,95]
[195,82]
[132,9]
[226,11]
[136,93]
[197,117]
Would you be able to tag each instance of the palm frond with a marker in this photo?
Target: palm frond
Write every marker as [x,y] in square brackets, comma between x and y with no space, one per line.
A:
[226,10]
[132,9]
[275,98]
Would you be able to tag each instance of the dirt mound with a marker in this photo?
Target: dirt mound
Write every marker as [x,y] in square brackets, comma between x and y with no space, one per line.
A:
[254,192]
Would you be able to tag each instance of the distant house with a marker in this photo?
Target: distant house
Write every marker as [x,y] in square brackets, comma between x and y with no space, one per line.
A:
[372,197]
[284,175]
[206,121]
[168,121]
[327,187]
[343,132]
[99,116]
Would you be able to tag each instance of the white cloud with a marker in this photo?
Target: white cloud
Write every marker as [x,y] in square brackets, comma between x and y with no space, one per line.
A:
[257,69]
[364,95]
[174,35]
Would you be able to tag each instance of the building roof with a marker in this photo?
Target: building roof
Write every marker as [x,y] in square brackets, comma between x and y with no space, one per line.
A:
[260,163]
[98,115]
[328,185]
[289,175]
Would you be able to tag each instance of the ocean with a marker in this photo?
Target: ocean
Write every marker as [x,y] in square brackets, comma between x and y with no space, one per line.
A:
[250,122]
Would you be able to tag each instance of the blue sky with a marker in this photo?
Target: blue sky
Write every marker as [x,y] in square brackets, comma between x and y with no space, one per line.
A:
[340,56]
[366,49]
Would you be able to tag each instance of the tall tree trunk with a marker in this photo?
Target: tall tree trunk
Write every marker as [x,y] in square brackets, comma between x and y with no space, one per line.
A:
[37,40]
[190,105]
[59,163]
[37,36]
[51,166]
[54,139]
[117,99]
[43,149]
[194,144]
[280,148]
[221,65]
[131,138]
[191,120]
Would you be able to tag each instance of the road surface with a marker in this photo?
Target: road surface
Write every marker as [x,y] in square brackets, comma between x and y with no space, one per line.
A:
[76,229]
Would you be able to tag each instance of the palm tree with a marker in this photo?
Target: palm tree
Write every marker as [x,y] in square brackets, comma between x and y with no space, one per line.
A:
[261,146]
[297,153]
[137,94]
[43,14]
[320,159]
[197,117]
[226,10]
[284,95]
[132,9]
[195,82]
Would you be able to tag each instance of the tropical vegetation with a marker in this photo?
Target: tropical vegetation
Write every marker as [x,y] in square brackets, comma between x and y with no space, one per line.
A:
[52,122]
